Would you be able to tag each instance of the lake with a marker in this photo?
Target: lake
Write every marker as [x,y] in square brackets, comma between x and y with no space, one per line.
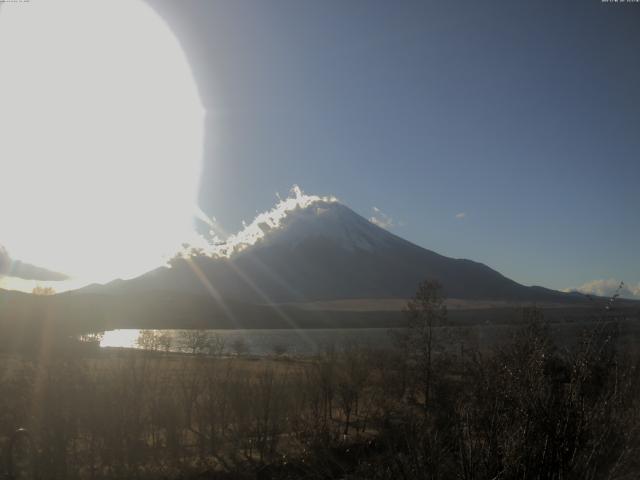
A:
[263,342]
[310,341]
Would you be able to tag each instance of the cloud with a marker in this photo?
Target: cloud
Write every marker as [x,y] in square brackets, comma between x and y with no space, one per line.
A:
[253,232]
[26,271]
[461,215]
[381,219]
[606,288]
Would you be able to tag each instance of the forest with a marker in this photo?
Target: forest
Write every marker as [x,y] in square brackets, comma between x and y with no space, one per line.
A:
[526,408]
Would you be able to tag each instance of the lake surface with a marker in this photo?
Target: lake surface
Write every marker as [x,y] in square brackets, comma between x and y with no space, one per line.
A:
[308,341]
[261,342]
[312,341]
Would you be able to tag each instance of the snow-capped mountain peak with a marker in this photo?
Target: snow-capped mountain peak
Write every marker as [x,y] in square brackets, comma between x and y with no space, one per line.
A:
[294,220]
[332,222]
[310,248]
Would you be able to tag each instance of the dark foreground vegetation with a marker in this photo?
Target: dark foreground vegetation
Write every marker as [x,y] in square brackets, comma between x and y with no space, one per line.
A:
[525,409]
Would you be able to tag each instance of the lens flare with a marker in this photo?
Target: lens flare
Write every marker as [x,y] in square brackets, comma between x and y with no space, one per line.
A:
[101,134]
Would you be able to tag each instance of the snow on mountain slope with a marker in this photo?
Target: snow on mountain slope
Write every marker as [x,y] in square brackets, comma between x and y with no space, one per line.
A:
[294,220]
[262,228]
[330,221]
[312,248]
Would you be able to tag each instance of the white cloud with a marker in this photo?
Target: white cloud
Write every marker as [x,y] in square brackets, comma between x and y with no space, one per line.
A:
[381,219]
[607,287]
[461,215]
[253,232]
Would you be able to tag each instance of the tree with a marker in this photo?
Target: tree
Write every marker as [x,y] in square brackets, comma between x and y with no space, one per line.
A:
[216,344]
[240,346]
[279,349]
[148,340]
[194,341]
[425,311]
[165,340]
[352,376]
[40,290]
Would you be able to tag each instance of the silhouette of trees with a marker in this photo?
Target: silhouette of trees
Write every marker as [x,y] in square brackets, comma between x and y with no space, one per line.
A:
[194,341]
[523,408]
[40,290]
[425,311]
[240,346]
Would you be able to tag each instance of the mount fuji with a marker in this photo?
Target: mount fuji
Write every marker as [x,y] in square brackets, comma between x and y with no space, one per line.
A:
[310,262]
[310,249]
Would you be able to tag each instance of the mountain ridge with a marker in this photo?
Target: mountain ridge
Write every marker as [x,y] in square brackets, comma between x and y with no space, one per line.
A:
[320,249]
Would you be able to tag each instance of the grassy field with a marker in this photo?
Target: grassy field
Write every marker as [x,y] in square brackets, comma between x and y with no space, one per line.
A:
[505,393]
[349,411]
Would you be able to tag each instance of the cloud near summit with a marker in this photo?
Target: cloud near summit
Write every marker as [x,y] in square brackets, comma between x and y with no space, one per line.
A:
[381,219]
[607,287]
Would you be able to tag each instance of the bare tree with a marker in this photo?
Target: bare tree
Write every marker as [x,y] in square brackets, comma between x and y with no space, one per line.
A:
[240,346]
[194,341]
[148,340]
[165,341]
[40,290]
[425,312]
[279,349]
[216,344]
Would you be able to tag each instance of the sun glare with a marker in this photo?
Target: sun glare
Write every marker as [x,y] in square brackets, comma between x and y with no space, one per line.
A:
[101,133]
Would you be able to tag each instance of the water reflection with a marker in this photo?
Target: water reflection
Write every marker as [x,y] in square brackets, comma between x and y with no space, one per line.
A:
[243,342]
[120,338]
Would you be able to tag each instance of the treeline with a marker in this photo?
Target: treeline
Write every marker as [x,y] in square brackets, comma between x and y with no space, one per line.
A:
[526,409]
[145,415]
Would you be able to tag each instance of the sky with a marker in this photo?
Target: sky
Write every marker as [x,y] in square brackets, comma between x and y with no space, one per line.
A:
[504,132]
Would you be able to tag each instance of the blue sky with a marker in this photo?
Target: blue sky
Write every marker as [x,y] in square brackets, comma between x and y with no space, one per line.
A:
[524,116]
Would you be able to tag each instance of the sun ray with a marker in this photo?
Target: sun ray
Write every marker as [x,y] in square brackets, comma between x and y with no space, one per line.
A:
[276,308]
[211,290]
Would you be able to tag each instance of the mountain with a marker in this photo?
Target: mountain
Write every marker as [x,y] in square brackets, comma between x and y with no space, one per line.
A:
[316,249]
[310,262]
